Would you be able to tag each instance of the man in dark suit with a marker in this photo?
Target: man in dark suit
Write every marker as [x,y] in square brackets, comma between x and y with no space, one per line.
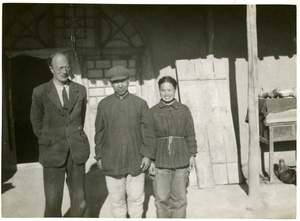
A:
[57,116]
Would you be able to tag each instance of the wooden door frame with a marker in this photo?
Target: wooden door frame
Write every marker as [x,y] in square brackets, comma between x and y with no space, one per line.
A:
[7,96]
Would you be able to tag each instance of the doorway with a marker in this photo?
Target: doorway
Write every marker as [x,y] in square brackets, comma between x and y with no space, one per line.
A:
[26,73]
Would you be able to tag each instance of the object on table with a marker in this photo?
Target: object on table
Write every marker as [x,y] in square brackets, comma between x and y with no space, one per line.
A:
[288,176]
[285,93]
[294,93]
[274,93]
[267,106]
[277,92]
[262,94]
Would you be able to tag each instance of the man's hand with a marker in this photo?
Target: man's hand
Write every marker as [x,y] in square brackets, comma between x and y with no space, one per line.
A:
[192,163]
[152,169]
[99,164]
[145,164]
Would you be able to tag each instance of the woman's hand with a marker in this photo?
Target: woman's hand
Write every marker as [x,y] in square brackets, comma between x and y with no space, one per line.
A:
[192,163]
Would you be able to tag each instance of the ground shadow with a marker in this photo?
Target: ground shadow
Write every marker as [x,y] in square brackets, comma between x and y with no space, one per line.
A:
[262,157]
[244,186]
[5,176]
[148,193]
[96,191]
[235,113]
[6,186]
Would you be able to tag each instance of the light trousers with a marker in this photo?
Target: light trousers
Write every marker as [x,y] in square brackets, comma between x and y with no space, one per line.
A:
[126,194]
[170,189]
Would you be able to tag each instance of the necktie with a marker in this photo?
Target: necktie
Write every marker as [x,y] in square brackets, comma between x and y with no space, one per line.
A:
[66,101]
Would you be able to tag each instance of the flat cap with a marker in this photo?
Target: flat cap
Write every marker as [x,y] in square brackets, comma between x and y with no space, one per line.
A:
[118,73]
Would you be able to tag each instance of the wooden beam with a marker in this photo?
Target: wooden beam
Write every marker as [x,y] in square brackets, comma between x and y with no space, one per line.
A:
[110,51]
[210,30]
[254,148]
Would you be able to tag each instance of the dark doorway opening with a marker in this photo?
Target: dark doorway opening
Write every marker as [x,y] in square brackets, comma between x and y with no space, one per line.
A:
[26,73]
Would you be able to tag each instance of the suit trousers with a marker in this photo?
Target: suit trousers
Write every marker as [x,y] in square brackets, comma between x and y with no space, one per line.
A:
[170,189]
[54,179]
[128,186]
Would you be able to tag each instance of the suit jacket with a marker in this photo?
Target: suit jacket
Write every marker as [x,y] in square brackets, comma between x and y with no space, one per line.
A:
[57,131]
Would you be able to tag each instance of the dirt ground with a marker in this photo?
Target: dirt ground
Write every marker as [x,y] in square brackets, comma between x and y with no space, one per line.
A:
[22,197]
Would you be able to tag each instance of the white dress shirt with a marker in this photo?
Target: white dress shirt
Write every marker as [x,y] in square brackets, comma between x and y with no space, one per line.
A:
[59,89]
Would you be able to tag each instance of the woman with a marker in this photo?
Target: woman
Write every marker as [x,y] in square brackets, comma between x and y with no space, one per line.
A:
[175,151]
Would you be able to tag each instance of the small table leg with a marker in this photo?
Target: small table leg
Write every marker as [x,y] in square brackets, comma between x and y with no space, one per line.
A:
[271,153]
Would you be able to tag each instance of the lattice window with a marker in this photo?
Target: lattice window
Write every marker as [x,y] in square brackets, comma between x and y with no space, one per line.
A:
[83,26]
[116,30]
[75,23]
[29,31]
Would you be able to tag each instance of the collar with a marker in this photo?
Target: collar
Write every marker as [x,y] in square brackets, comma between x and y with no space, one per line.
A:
[174,104]
[60,87]
[123,96]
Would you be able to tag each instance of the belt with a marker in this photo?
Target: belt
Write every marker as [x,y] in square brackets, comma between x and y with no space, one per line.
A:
[170,141]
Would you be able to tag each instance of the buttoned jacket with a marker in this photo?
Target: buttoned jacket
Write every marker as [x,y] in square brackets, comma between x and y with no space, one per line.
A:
[58,131]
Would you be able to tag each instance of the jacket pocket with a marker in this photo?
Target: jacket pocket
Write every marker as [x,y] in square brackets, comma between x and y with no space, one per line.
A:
[44,141]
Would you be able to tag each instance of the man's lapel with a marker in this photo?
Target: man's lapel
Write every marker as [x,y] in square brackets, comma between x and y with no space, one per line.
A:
[73,94]
[53,95]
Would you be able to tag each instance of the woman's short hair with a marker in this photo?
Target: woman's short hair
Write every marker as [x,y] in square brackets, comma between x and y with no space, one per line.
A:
[167,79]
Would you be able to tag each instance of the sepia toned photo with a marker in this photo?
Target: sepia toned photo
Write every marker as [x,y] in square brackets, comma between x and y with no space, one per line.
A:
[144,110]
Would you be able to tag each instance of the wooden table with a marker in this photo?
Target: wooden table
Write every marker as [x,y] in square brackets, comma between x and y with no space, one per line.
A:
[277,132]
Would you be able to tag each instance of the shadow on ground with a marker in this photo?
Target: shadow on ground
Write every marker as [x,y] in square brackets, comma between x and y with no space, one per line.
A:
[6,175]
[96,193]
[148,193]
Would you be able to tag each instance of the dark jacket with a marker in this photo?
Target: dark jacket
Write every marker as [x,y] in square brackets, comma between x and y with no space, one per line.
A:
[124,134]
[175,135]
[57,131]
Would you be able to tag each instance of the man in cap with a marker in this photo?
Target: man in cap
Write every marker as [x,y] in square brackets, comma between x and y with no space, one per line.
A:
[124,145]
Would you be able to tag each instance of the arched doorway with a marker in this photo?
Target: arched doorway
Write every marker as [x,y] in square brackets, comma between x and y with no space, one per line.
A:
[26,73]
